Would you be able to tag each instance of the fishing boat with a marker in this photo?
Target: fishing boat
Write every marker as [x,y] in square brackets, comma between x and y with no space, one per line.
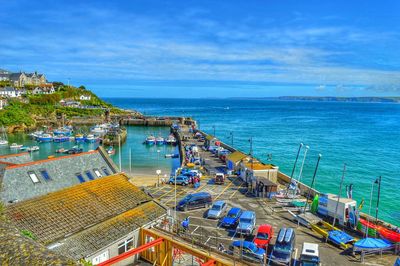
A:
[60,138]
[91,138]
[64,131]
[15,146]
[45,137]
[150,140]
[60,150]
[33,148]
[111,150]
[79,138]
[159,140]
[170,140]
[36,134]
[100,129]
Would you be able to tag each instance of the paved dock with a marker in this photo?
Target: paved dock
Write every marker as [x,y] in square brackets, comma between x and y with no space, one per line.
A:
[208,233]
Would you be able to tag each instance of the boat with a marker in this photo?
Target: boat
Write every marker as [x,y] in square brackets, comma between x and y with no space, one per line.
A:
[74,150]
[111,150]
[16,146]
[23,148]
[364,225]
[60,150]
[333,234]
[171,155]
[91,138]
[372,244]
[150,140]
[33,148]
[3,139]
[65,131]
[170,140]
[389,235]
[3,142]
[60,138]
[100,129]
[45,137]
[79,138]
[159,140]
[36,134]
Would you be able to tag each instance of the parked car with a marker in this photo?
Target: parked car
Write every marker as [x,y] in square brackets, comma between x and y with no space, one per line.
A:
[263,236]
[247,223]
[219,178]
[310,255]
[217,210]
[232,218]
[180,180]
[196,172]
[195,201]
[284,246]
[248,250]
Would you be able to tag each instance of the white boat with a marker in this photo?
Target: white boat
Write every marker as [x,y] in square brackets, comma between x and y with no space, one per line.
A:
[100,129]
[170,139]
[90,138]
[36,134]
[150,140]
[159,140]
[3,139]
[33,148]
[3,142]
[16,146]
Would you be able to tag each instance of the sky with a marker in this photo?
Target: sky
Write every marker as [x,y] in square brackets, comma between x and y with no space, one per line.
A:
[148,48]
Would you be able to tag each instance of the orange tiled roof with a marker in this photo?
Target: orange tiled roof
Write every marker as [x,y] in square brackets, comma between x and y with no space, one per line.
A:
[258,166]
[61,213]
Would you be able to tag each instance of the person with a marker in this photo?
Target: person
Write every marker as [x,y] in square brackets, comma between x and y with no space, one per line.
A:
[185,224]
[221,247]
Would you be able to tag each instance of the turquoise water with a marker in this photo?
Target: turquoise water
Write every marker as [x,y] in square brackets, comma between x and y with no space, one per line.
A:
[135,156]
[364,136]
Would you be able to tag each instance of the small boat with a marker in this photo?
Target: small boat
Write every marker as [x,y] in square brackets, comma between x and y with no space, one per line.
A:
[3,142]
[150,140]
[79,138]
[170,140]
[33,148]
[16,146]
[110,150]
[333,234]
[389,235]
[60,138]
[36,134]
[60,150]
[171,155]
[100,129]
[159,140]
[374,230]
[74,150]
[373,245]
[364,225]
[64,131]
[23,148]
[339,237]
[45,138]
[91,138]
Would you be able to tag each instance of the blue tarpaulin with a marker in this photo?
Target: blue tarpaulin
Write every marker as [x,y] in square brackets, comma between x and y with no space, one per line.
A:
[371,243]
[397,263]
[339,237]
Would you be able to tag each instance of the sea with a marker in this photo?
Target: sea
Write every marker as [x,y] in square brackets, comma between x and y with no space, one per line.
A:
[363,136]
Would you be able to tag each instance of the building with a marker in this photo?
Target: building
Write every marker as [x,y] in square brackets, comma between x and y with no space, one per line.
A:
[44,89]
[210,141]
[3,103]
[22,178]
[21,79]
[95,220]
[10,92]
[251,169]
[85,97]
[233,160]
[70,103]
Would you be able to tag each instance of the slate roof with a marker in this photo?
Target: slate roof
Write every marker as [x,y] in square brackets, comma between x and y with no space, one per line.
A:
[15,76]
[20,250]
[83,219]
[17,185]
[17,158]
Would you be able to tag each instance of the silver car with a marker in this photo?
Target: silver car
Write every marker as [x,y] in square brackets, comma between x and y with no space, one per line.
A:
[217,210]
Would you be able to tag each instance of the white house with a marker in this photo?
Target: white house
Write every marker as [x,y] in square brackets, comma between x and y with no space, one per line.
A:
[85,97]
[43,90]
[10,92]
[3,103]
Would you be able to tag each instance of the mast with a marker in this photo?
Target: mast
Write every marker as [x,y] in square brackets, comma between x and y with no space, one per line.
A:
[379,195]
[312,182]
[294,166]
[340,193]
[302,164]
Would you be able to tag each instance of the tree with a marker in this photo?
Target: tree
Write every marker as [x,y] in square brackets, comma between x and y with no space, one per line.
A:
[82,87]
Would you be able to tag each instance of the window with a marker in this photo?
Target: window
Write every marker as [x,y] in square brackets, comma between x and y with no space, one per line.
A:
[45,174]
[80,177]
[97,172]
[100,258]
[125,246]
[33,177]
[89,175]
[105,171]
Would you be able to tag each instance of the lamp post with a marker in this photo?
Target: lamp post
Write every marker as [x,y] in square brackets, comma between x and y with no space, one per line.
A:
[158,172]
[213,130]
[158,166]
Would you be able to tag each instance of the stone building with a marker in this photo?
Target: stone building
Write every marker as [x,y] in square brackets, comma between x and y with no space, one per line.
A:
[21,79]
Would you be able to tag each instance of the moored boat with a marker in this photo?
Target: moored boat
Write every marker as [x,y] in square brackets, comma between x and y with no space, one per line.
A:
[45,138]
[159,140]
[91,138]
[60,138]
[111,150]
[150,140]
[33,148]
[79,138]
[364,225]
[3,142]
[15,146]
[170,140]
[36,134]
[65,131]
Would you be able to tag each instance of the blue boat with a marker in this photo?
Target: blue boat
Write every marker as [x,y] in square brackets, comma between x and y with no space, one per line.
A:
[91,138]
[79,138]
[45,138]
[60,138]
[65,131]
[160,141]
[339,237]
[150,140]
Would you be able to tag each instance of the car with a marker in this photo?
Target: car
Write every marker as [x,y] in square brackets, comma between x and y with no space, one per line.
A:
[196,172]
[310,255]
[284,246]
[247,223]
[217,210]
[248,250]
[180,180]
[195,201]
[263,236]
[232,218]
[219,178]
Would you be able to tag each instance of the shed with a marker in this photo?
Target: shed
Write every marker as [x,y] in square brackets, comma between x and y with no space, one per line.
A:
[233,160]
[210,140]
[265,187]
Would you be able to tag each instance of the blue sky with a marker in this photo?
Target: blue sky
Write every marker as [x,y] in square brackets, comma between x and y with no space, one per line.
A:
[207,48]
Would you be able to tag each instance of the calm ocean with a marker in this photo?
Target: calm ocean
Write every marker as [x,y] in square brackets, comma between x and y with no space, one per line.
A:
[365,136]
